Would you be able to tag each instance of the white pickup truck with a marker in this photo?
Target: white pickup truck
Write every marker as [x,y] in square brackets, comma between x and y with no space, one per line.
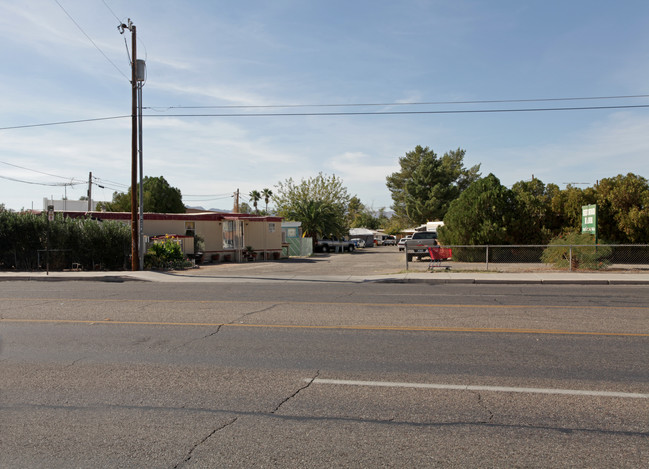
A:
[418,245]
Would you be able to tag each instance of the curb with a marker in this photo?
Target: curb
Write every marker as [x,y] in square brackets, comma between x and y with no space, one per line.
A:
[511,282]
[54,278]
[429,281]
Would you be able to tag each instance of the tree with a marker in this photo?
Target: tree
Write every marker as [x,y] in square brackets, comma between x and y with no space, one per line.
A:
[623,205]
[255,197]
[320,201]
[266,194]
[244,208]
[566,207]
[426,185]
[319,219]
[481,215]
[159,197]
[534,223]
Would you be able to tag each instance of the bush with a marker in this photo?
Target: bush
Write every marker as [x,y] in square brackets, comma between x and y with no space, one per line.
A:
[592,257]
[85,241]
[165,255]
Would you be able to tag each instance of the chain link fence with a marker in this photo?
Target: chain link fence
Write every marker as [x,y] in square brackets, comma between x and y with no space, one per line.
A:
[529,258]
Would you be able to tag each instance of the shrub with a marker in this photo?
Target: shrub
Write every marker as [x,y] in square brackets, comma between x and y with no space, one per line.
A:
[585,253]
[166,254]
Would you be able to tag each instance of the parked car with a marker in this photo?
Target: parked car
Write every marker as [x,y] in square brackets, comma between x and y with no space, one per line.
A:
[358,242]
[402,242]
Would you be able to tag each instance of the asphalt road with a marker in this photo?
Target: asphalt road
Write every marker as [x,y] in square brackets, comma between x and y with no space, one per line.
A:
[323,374]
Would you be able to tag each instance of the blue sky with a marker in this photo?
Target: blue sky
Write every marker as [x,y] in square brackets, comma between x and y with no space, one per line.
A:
[290,52]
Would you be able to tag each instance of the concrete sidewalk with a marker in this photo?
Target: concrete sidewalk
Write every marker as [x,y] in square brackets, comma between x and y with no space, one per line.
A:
[202,275]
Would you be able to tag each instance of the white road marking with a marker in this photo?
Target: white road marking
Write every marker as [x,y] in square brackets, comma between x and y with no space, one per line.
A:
[459,387]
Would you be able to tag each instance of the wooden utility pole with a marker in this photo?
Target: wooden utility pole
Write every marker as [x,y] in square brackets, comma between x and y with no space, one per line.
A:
[90,191]
[135,257]
[235,209]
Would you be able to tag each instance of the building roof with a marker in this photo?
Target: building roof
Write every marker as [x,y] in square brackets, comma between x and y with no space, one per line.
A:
[204,216]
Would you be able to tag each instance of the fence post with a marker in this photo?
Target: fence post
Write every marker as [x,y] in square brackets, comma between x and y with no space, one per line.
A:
[487,257]
[570,260]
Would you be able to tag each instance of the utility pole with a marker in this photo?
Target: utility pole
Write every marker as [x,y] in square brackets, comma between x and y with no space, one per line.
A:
[141,76]
[235,209]
[135,257]
[90,191]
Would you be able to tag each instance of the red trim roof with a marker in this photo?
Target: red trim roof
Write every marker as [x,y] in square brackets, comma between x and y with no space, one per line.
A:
[205,216]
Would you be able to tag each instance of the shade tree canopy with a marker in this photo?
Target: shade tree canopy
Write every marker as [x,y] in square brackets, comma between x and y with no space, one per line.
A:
[319,202]
[482,214]
[424,187]
[159,197]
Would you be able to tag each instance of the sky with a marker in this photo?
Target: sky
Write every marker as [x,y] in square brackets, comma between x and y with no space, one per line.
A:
[244,95]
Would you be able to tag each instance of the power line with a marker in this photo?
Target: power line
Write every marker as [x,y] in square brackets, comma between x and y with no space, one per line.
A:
[41,172]
[46,124]
[90,39]
[119,21]
[341,113]
[227,194]
[54,184]
[416,103]
[378,113]
[110,182]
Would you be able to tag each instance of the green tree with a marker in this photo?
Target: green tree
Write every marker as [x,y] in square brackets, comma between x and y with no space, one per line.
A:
[426,185]
[566,207]
[481,215]
[159,197]
[319,219]
[322,197]
[534,223]
[244,208]
[623,209]
[255,197]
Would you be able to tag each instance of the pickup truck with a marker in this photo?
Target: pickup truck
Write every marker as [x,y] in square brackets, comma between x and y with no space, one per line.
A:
[418,245]
[327,245]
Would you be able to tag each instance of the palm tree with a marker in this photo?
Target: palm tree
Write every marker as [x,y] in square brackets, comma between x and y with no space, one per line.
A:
[255,197]
[266,194]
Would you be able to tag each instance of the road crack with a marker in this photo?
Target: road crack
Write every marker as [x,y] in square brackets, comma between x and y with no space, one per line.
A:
[296,392]
[243,316]
[484,407]
[220,326]
[214,432]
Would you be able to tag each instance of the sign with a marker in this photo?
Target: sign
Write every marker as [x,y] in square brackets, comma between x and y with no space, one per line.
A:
[589,219]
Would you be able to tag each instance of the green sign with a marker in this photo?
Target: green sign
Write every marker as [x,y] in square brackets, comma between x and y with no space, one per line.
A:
[589,219]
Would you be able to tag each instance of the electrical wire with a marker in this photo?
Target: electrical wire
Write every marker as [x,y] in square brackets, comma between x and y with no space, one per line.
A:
[377,113]
[417,103]
[41,172]
[110,182]
[119,21]
[227,194]
[90,39]
[346,113]
[54,184]
[46,124]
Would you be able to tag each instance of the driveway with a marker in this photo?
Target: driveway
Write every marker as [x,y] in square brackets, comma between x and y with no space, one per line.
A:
[369,261]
